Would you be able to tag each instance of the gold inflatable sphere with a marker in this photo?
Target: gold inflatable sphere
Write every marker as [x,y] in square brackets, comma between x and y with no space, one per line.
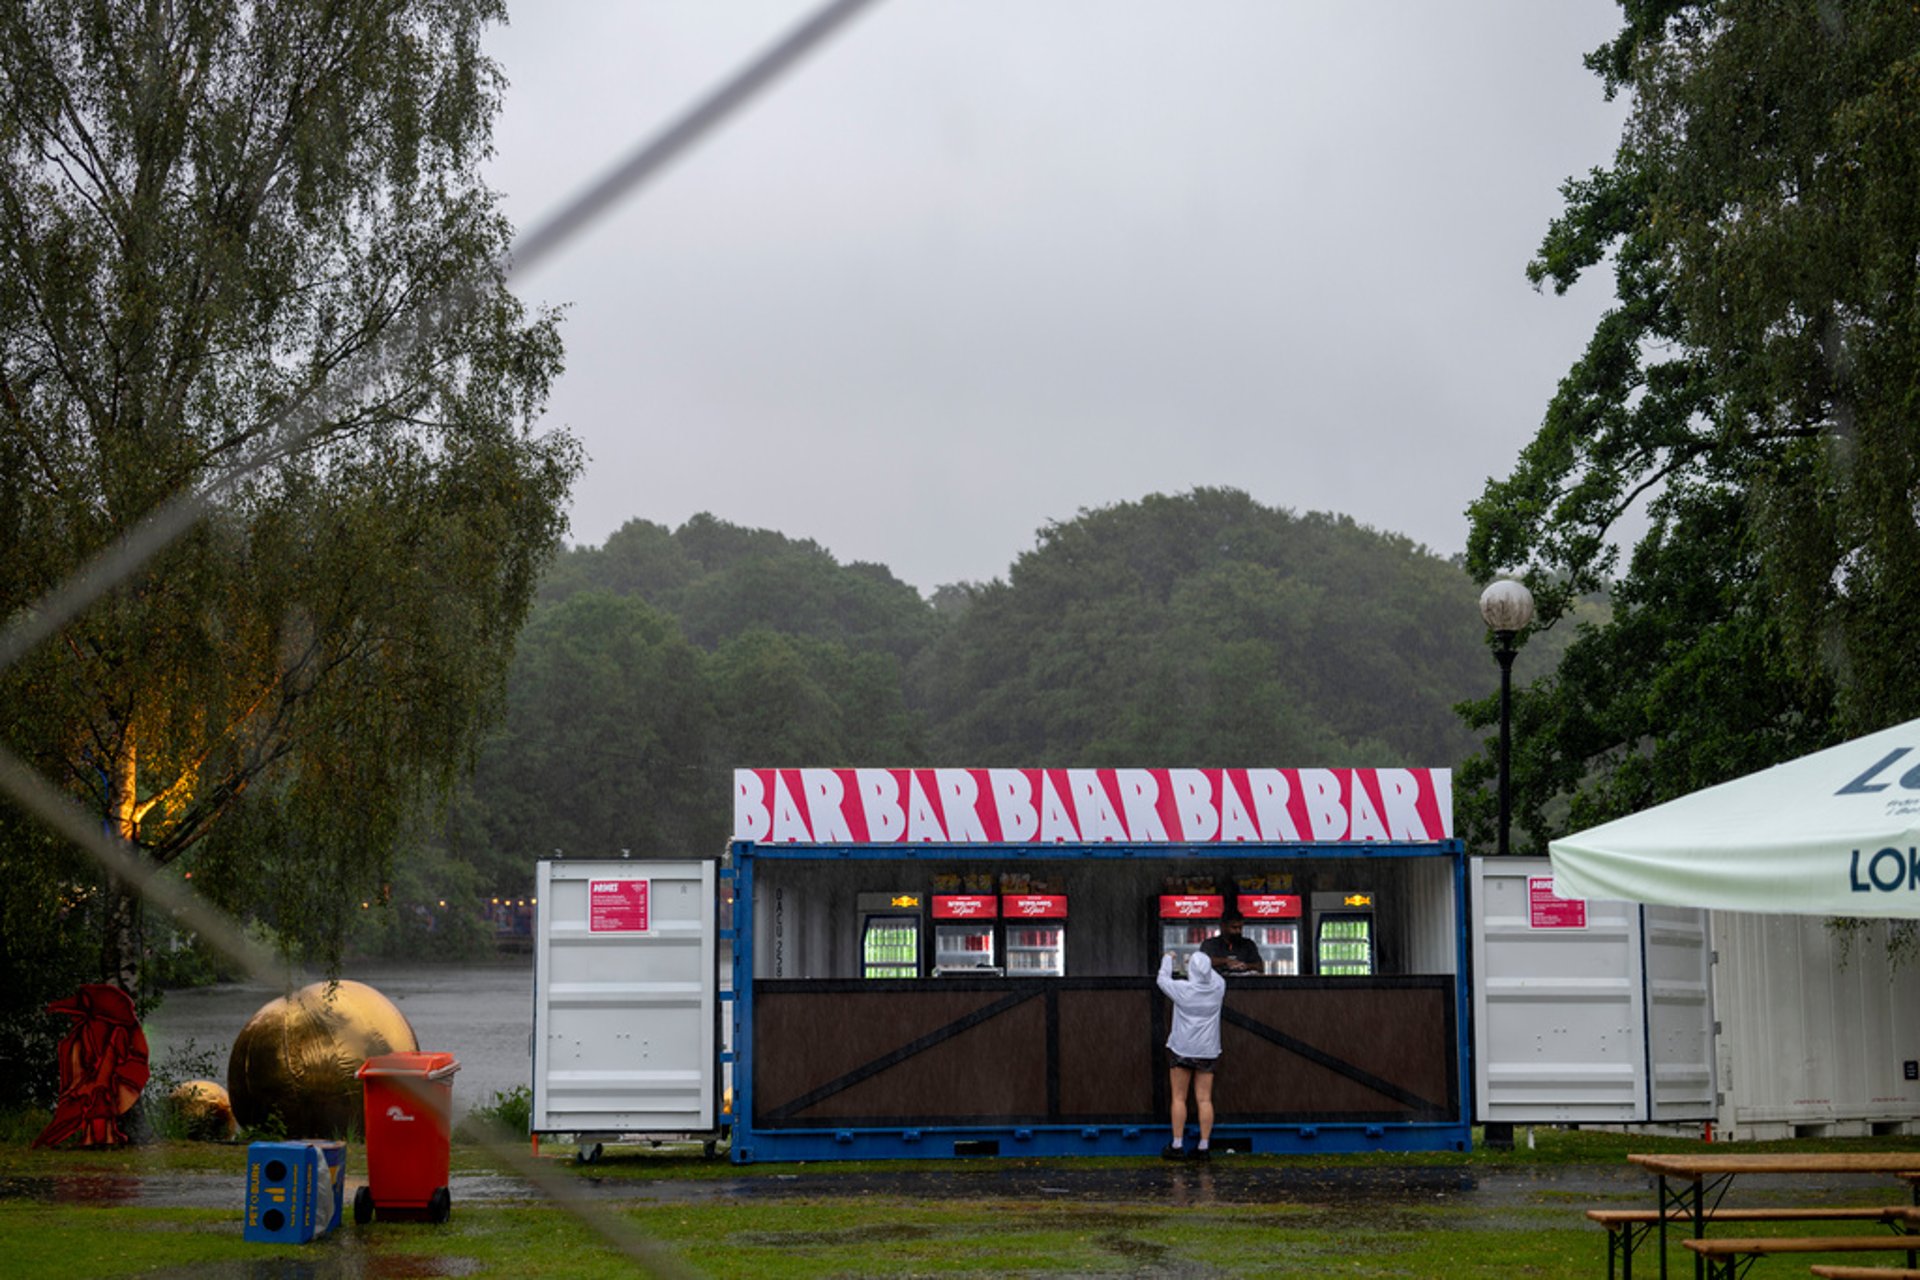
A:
[205,1110]
[296,1058]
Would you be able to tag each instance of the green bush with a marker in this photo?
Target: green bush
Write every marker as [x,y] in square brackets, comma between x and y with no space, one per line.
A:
[511,1111]
[155,1115]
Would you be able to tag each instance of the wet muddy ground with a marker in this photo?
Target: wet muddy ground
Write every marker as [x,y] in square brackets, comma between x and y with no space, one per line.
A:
[1398,1198]
[1225,1181]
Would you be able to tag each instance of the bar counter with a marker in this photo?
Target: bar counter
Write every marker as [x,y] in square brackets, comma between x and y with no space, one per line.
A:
[959,1052]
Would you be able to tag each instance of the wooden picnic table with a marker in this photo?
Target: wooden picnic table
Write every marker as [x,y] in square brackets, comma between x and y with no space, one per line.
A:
[1694,1183]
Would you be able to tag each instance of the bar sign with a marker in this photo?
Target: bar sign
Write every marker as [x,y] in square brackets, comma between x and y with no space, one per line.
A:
[617,906]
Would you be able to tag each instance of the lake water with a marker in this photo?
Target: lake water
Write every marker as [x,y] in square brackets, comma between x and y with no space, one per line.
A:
[481,1013]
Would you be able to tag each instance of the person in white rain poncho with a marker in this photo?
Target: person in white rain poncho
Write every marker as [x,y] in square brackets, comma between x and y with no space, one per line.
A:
[1193,1048]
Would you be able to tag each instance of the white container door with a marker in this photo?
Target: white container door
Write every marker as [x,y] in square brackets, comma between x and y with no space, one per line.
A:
[1558,1001]
[625,996]
[1680,1027]
[1587,1010]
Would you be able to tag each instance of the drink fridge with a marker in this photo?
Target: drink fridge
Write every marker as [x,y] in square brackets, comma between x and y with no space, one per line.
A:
[1343,934]
[889,934]
[1036,926]
[1273,923]
[963,934]
[1186,921]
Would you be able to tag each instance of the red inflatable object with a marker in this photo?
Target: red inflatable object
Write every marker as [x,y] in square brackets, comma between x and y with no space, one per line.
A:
[103,1067]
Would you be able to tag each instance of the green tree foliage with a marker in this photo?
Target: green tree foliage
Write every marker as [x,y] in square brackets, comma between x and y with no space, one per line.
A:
[720,580]
[602,748]
[620,734]
[780,700]
[1756,386]
[432,905]
[1207,629]
[49,944]
[1197,629]
[208,212]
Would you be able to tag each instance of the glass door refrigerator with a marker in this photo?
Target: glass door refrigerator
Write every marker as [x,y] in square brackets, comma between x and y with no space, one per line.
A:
[1186,921]
[1273,922]
[1036,927]
[889,934]
[1343,934]
[963,934]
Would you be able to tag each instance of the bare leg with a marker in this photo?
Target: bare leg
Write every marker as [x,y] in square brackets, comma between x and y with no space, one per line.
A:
[1177,1079]
[1203,1103]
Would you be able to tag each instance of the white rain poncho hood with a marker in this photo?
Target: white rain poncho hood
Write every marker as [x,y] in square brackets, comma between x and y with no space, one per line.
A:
[1196,1006]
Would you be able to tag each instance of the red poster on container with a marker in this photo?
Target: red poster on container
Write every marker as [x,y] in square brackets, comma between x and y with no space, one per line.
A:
[617,906]
[1270,906]
[964,906]
[1034,906]
[1544,911]
[1191,906]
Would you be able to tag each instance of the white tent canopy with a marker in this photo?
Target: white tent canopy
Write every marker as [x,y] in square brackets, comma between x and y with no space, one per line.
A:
[1833,833]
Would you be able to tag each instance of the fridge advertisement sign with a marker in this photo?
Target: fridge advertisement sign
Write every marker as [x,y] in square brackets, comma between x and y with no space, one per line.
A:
[1191,906]
[964,906]
[1091,806]
[617,906]
[1034,906]
[1545,911]
[1270,906]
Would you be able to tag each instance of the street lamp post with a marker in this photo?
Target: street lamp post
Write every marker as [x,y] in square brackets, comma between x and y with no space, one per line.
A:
[1507,607]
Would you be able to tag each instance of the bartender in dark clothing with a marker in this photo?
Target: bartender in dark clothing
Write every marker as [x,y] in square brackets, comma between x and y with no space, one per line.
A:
[1232,952]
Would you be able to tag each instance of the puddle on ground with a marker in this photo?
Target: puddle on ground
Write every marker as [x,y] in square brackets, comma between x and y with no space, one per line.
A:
[1222,1182]
[334,1258]
[1225,1181]
[114,1190]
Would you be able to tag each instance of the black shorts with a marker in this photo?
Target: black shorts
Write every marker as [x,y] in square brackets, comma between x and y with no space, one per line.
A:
[1192,1064]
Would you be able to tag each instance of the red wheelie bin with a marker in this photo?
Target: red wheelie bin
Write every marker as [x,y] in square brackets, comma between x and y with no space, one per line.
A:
[409,1110]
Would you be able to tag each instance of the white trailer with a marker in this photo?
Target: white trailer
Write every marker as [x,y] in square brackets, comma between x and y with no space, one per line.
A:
[1608,1012]
[626,1002]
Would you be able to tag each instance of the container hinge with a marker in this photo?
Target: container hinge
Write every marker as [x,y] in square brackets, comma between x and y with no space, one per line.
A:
[727,1058]
[727,935]
[727,994]
[1716,1026]
[728,873]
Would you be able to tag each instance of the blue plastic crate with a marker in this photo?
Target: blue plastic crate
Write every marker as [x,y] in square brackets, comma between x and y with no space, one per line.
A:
[295,1190]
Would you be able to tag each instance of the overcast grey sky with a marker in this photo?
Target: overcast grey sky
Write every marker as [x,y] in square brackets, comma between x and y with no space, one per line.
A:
[982,263]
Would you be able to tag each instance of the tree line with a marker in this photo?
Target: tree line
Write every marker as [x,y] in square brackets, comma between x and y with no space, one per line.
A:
[1195,629]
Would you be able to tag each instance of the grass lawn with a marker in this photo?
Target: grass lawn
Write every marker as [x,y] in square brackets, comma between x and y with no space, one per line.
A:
[845,1234]
[824,1236]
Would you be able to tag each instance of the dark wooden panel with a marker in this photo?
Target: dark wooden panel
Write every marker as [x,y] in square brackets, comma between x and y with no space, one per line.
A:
[1108,1053]
[1081,1050]
[809,1042]
[1391,1050]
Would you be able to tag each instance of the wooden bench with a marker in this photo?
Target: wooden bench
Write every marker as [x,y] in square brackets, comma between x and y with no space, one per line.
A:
[1828,1272]
[1728,1258]
[1626,1227]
